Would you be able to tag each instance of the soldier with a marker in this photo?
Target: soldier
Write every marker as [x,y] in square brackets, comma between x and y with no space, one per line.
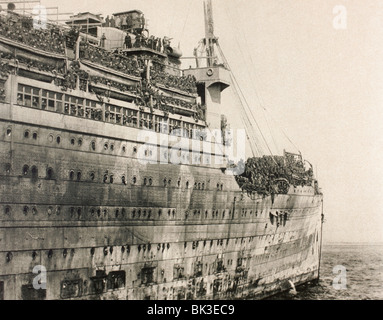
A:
[123,23]
[143,22]
[118,22]
[129,22]
[112,22]
[137,43]
[128,42]
[107,22]
[103,39]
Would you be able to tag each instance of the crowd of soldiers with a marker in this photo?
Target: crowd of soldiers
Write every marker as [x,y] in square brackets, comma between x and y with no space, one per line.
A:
[151,42]
[262,174]
[41,66]
[5,70]
[112,84]
[127,65]
[184,83]
[49,39]
[122,22]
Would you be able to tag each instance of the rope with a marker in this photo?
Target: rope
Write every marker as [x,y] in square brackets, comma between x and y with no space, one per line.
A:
[261,102]
[244,98]
[186,20]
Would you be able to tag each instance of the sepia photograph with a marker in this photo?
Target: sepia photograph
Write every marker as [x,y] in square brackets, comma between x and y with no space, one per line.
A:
[196,150]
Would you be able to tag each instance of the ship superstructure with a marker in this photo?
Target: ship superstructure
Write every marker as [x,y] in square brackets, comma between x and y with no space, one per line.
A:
[116,177]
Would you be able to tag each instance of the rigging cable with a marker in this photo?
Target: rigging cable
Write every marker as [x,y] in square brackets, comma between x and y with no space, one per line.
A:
[245,100]
[261,101]
[186,20]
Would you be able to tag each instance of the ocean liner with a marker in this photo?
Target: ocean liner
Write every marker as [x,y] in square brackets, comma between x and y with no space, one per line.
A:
[125,177]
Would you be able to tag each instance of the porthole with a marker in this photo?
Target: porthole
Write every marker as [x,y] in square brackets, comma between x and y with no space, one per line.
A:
[25,170]
[9,256]
[49,173]
[50,138]
[7,210]
[35,172]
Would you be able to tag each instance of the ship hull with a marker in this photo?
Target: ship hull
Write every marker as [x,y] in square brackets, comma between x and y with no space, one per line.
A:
[138,231]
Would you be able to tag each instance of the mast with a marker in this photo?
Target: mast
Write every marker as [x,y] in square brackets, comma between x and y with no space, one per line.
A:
[210,39]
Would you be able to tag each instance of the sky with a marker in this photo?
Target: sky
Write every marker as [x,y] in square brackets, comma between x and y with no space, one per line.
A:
[319,78]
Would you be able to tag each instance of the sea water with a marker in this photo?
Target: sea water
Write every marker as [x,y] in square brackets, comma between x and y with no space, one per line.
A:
[347,272]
